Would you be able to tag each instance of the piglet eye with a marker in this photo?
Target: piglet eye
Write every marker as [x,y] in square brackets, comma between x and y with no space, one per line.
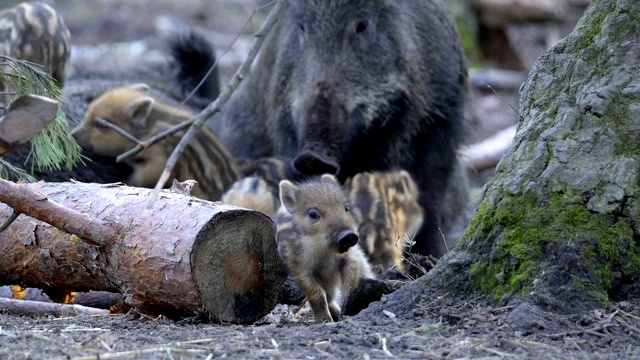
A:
[346,208]
[314,215]
[302,28]
[361,27]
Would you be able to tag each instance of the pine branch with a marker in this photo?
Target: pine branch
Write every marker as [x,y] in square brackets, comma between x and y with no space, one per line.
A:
[53,146]
[9,171]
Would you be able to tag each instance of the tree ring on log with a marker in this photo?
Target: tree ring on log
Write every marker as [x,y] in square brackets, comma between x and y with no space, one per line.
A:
[236,267]
[241,272]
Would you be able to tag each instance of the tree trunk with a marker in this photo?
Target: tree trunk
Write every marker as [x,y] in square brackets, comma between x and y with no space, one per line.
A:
[183,257]
[559,224]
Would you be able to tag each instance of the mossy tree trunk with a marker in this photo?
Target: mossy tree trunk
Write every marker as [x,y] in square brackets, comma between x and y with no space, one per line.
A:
[559,224]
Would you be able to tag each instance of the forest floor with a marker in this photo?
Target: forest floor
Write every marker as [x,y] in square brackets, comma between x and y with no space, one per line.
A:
[409,323]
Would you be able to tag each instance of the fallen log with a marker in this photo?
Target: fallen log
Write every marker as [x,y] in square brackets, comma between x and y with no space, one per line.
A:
[501,13]
[488,153]
[184,257]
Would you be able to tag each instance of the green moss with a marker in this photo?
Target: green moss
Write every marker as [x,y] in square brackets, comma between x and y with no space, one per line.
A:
[469,43]
[518,228]
[518,233]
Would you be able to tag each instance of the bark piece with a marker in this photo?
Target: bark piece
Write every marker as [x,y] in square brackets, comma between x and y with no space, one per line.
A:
[25,118]
[183,257]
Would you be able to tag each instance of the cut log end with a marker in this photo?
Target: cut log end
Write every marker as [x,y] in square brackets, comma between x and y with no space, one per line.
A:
[236,267]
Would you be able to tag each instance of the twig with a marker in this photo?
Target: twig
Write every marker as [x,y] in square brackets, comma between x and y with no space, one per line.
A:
[134,353]
[197,341]
[540,50]
[143,145]
[226,50]
[506,102]
[593,331]
[117,129]
[383,341]
[508,307]
[444,240]
[35,308]
[218,103]
[317,347]
[523,343]
[626,314]
[9,220]
[25,200]
[492,351]
[104,345]
[575,344]
[631,327]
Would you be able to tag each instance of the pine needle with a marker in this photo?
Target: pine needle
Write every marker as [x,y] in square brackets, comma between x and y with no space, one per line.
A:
[10,172]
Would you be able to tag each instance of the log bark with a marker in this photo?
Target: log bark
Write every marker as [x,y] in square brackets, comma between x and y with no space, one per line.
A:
[184,257]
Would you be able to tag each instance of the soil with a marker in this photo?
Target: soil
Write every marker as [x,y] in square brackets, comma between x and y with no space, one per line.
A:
[411,323]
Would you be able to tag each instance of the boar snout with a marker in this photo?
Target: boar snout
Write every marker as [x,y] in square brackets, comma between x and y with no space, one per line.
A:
[313,161]
[322,128]
[347,240]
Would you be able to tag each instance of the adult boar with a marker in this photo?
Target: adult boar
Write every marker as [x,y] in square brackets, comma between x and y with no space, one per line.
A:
[348,86]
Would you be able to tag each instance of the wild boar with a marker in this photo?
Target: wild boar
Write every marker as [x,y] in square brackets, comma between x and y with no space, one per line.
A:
[348,86]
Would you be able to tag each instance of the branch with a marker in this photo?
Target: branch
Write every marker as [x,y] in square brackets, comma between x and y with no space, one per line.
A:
[34,308]
[24,200]
[222,99]
[118,129]
[143,145]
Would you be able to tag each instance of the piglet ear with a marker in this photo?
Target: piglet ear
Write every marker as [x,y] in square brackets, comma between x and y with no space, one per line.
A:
[140,87]
[329,178]
[288,194]
[408,185]
[139,111]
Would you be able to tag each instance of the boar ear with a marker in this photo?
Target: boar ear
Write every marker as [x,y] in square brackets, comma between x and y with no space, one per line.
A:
[141,87]
[329,178]
[288,194]
[139,111]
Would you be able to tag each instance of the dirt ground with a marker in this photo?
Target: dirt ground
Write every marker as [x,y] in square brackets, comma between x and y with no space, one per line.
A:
[408,324]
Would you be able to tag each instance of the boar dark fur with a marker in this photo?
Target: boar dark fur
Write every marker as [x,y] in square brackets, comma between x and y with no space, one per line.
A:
[348,86]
